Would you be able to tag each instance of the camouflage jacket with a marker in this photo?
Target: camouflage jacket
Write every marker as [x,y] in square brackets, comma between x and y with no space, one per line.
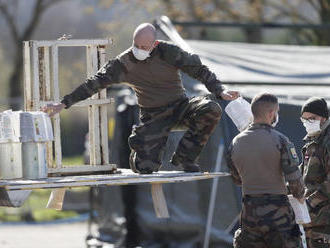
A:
[316,173]
[156,80]
[259,156]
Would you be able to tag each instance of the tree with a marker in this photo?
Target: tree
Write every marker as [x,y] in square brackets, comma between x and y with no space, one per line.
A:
[257,11]
[319,13]
[8,9]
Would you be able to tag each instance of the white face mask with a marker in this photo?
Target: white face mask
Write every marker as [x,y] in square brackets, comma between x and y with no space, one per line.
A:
[140,54]
[275,121]
[312,127]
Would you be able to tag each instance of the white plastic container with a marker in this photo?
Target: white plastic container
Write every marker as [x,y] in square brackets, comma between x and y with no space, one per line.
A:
[23,137]
[240,113]
[11,161]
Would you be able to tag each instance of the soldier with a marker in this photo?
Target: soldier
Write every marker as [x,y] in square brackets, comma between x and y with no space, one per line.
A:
[260,160]
[151,67]
[316,171]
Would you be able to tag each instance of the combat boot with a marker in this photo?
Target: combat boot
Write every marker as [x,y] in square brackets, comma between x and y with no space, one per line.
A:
[186,165]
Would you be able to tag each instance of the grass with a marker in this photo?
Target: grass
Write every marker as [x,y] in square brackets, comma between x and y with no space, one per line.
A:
[34,209]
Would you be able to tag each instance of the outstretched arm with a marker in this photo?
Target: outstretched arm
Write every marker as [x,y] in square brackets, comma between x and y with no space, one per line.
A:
[192,65]
[111,73]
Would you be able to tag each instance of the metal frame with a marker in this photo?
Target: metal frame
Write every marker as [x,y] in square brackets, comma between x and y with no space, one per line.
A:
[41,87]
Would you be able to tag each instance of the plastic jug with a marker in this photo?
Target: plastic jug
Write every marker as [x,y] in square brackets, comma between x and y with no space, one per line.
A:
[240,113]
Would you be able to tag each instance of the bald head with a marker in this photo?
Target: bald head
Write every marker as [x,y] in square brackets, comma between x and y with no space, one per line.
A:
[144,36]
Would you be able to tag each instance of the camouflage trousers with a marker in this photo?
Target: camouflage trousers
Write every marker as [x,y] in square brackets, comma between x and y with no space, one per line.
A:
[318,231]
[199,115]
[267,221]
[317,238]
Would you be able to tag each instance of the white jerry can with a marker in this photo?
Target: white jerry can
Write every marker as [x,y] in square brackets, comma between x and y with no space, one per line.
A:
[240,113]
[23,137]
[11,160]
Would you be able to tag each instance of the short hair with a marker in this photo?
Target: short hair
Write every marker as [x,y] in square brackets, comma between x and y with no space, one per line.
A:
[262,104]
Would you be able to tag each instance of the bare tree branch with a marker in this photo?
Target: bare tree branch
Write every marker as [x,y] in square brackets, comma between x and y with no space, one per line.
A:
[314,5]
[290,12]
[48,4]
[10,20]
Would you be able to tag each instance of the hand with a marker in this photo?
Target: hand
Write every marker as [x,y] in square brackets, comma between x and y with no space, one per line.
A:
[302,200]
[53,109]
[229,95]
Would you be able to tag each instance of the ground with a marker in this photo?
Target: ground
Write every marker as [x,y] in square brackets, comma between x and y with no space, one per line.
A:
[41,236]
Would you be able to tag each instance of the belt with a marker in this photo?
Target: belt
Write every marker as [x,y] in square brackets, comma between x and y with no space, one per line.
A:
[164,107]
[264,198]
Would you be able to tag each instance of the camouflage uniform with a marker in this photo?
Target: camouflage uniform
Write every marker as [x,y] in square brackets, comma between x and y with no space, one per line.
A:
[316,173]
[199,114]
[267,219]
[164,104]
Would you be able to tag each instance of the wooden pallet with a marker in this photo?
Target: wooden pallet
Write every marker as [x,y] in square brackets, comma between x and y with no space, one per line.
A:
[124,177]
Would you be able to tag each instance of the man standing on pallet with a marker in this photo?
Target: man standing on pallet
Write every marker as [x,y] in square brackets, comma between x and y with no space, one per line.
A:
[151,68]
[260,160]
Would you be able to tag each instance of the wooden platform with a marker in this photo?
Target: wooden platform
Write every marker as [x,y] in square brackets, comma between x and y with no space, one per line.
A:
[124,177]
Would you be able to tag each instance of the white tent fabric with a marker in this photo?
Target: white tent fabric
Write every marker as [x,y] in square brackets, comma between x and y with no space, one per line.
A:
[268,65]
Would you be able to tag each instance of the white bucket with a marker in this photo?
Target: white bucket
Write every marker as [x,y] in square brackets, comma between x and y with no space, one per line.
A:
[240,113]
[23,137]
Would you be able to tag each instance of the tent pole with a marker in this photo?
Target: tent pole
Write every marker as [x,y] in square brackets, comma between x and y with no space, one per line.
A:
[213,196]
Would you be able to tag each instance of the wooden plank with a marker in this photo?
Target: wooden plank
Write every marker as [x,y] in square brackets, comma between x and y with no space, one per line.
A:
[125,178]
[84,103]
[103,113]
[35,76]
[82,168]
[48,97]
[56,199]
[93,111]
[56,98]
[27,76]
[74,42]
[44,90]
[47,74]
[159,201]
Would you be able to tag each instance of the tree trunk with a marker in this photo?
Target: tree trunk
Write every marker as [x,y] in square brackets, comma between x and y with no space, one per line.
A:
[255,8]
[324,34]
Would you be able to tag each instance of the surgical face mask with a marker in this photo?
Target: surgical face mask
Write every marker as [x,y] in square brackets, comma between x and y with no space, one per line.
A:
[140,54]
[312,126]
[275,121]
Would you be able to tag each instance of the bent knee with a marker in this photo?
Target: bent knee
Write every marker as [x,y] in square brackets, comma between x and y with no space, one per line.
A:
[214,108]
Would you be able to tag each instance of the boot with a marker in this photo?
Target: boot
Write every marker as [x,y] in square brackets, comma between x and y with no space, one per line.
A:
[186,165]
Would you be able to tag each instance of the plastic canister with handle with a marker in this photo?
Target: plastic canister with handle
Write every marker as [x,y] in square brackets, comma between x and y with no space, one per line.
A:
[240,113]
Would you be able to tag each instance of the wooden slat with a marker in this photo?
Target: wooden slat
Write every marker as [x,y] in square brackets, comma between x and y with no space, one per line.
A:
[103,113]
[159,201]
[56,98]
[44,88]
[27,76]
[93,111]
[48,97]
[84,103]
[126,177]
[35,76]
[56,199]
[75,42]
[82,168]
